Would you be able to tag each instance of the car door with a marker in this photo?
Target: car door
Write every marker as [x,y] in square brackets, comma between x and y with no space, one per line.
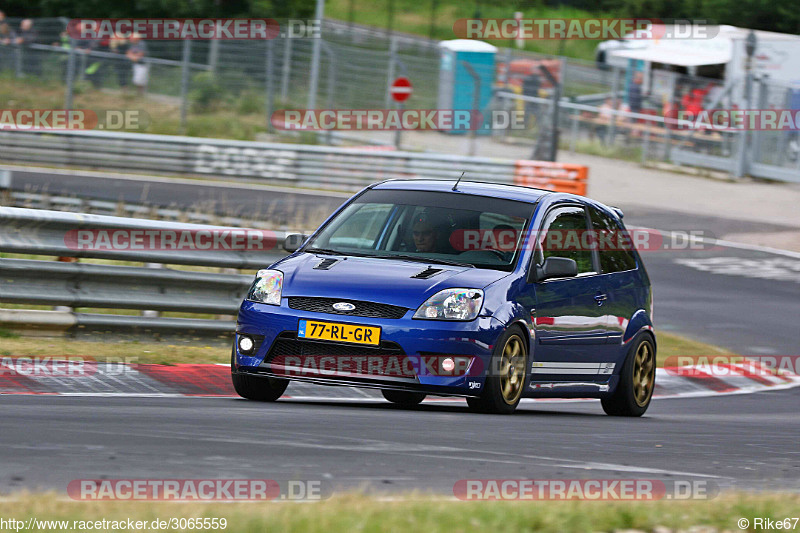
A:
[618,273]
[570,323]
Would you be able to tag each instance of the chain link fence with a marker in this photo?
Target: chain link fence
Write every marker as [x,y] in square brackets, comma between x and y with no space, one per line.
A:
[357,65]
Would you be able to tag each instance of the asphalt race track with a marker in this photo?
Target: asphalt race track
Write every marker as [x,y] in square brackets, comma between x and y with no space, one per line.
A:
[739,441]
[742,298]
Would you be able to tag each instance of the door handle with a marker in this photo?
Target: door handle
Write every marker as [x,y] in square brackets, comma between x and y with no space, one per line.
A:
[600,298]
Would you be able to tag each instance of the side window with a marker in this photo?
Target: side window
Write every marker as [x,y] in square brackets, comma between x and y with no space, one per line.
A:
[562,236]
[362,227]
[614,243]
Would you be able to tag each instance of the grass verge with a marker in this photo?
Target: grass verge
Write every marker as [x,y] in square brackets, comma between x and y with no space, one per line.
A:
[418,512]
[669,344]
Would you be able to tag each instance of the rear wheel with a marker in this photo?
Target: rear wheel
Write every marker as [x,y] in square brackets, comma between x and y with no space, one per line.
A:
[405,398]
[637,381]
[505,377]
[257,388]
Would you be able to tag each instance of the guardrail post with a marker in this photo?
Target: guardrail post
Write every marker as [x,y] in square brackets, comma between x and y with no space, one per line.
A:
[149,312]
[5,187]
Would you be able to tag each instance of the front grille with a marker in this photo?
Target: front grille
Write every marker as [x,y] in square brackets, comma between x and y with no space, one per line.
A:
[365,309]
[287,343]
[386,360]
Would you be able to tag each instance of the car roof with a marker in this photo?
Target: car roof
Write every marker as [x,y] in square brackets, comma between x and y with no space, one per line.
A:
[477,188]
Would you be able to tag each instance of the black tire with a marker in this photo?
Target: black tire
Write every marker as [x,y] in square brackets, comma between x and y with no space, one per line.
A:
[257,388]
[405,398]
[637,380]
[505,377]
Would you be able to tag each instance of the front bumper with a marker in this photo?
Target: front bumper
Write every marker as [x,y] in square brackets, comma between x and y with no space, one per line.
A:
[403,338]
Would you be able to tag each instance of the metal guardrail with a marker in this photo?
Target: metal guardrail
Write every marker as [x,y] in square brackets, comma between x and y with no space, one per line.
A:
[32,200]
[87,285]
[277,163]
[298,165]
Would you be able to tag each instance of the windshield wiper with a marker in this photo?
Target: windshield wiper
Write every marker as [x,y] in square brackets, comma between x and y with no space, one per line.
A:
[423,260]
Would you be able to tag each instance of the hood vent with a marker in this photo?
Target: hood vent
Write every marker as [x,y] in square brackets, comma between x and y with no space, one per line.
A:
[427,273]
[326,264]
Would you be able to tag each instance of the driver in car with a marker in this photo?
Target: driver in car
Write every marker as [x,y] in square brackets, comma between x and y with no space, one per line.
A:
[425,234]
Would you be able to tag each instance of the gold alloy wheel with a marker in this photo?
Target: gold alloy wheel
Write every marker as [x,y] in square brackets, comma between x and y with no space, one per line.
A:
[644,368]
[512,369]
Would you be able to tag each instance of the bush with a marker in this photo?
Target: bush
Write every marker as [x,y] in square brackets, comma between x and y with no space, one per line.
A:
[206,93]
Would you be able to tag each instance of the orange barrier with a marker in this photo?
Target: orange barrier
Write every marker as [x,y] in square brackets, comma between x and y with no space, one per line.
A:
[559,177]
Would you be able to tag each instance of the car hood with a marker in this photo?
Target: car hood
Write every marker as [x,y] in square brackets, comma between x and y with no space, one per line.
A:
[376,280]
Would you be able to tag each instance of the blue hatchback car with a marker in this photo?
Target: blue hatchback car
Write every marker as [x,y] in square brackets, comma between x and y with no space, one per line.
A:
[486,291]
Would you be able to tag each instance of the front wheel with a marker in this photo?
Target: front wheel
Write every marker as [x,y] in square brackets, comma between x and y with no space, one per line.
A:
[505,377]
[405,398]
[636,381]
[257,388]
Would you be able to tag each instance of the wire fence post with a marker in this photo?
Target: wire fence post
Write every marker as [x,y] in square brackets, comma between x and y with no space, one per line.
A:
[331,84]
[390,71]
[70,75]
[286,68]
[18,60]
[187,53]
[613,120]
[270,103]
[315,51]
[476,102]
[573,131]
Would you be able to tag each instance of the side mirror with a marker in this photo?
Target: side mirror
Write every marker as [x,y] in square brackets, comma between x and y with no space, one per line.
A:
[556,267]
[293,241]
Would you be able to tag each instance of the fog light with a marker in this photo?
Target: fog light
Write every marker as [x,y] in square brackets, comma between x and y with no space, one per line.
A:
[245,344]
[448,364]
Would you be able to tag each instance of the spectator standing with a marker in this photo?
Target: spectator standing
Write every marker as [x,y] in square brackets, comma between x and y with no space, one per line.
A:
[136,53]
[31,62]
[119,45]
[635,95]
[7,38]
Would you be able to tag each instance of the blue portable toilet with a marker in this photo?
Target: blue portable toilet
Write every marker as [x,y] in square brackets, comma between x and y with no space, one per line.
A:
[456,85]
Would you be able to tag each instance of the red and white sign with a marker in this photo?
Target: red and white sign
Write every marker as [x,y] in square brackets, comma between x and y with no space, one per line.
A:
[401,89]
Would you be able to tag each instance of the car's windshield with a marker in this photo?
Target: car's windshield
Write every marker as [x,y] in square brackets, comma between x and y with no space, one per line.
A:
[431,227]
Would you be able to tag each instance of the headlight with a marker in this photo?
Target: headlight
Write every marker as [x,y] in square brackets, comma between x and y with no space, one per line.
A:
[452,304]
[267,287]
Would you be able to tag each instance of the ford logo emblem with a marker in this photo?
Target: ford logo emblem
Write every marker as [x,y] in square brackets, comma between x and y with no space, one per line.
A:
[343,306]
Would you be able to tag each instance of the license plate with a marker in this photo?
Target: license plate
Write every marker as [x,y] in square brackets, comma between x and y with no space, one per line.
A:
[334,331]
